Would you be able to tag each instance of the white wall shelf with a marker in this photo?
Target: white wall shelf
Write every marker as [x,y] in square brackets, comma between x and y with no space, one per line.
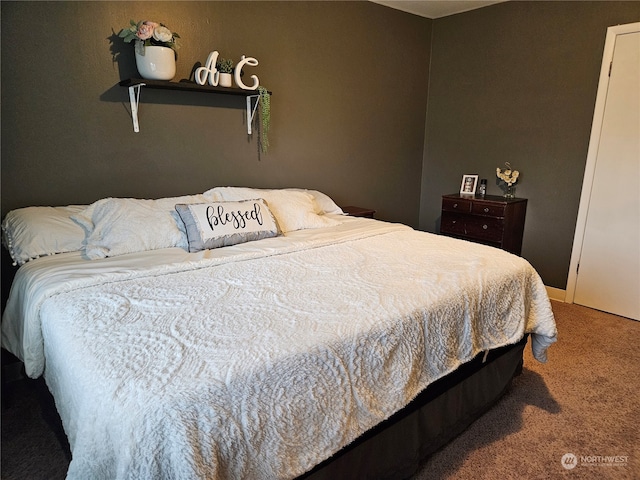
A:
[135,84]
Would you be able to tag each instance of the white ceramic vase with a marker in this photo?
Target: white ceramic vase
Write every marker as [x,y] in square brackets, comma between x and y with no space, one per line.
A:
[156,63]
[225,80]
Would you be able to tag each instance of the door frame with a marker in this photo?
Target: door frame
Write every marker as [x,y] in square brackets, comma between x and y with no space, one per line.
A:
[592,154]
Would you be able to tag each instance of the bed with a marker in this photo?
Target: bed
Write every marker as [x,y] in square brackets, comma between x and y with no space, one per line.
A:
[246,333]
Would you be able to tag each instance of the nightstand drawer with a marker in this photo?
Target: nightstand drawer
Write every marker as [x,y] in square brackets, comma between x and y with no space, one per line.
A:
[452,223]
[484,228]
[489,210]
[456,205]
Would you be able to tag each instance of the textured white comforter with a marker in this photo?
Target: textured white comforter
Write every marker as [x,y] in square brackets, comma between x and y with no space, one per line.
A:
[262,359]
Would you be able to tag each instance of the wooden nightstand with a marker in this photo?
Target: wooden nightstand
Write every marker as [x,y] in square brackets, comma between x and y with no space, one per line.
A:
[358,211]
[492,220]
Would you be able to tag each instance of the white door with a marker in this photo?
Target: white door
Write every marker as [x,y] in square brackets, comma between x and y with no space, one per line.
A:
[608,267]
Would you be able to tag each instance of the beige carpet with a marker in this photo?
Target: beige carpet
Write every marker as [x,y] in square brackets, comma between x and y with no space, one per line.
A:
[584,401]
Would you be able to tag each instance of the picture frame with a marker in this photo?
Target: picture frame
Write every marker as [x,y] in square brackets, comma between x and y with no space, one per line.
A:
[469,184]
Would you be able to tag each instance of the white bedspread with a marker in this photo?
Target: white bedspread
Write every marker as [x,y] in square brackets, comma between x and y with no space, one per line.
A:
[263,359]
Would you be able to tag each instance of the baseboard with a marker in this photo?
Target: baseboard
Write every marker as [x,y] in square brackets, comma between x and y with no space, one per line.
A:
[556,293]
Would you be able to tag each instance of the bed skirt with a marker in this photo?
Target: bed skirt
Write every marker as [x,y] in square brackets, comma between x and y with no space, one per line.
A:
[396,448]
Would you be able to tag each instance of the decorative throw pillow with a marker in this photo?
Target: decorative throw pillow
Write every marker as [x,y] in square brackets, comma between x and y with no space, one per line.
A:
[220,224]
[116,226]
[33,232]
[294,210]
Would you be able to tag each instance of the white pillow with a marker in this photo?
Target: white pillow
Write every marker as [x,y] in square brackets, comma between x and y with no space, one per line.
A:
[32,232]
[221,224]
[294,210]
[116,226]
[325,202]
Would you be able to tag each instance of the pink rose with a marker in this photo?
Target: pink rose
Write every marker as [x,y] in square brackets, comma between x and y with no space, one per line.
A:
[145,30]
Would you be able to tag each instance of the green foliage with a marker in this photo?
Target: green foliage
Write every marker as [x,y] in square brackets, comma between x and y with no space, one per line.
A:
[224,65]
[265,118]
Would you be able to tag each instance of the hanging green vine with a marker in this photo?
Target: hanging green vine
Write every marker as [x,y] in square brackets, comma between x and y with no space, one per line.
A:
[265,118]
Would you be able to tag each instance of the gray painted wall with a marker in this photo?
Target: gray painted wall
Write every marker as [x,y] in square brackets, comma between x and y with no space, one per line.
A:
[349,82]
[517,82]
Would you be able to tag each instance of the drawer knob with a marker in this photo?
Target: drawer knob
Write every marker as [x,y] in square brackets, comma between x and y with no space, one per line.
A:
[484,227]
[454,222]
[486,209]
[455,205]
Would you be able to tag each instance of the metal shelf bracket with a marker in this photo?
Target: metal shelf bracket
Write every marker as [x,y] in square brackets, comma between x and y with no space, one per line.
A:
[251,111]
[134,98]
